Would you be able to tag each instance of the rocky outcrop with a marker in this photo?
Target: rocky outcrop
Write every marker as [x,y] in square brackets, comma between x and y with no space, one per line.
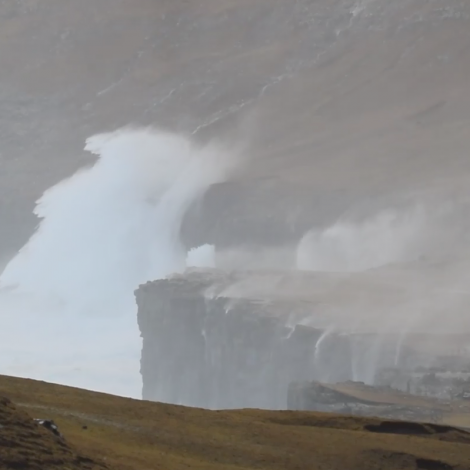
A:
[362,400]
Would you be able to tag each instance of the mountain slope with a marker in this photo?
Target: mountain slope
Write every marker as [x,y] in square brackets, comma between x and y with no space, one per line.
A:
[342,101]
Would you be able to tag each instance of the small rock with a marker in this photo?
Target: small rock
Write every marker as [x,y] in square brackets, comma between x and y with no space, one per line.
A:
[49,425]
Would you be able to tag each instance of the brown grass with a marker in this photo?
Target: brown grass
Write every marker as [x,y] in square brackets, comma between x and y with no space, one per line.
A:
[130,434]
[26,445]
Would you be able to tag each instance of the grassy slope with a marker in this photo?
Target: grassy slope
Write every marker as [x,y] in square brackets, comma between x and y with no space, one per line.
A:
[25,445]
[129,434]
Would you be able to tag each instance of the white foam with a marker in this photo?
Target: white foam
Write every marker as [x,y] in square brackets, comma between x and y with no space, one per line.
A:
[67,306]
[389,237]
[201,257]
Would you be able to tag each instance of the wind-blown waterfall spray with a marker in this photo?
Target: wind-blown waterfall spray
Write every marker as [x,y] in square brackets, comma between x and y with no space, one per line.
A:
[352,247]
[201,257]
[396,276]
[103,232]
[317,353]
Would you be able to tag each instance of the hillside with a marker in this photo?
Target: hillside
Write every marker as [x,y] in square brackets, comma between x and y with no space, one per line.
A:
[127,434]
[343,101]
[26,445]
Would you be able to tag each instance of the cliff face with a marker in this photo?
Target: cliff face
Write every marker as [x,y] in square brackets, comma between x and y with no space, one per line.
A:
[231,340]
[222,352]
[342,101]
[218,339]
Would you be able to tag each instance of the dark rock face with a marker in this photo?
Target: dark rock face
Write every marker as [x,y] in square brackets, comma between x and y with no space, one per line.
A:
[50,426]
[217,353]
[208,344]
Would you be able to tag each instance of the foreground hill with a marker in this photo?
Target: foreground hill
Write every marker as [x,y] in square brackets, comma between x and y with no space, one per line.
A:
[26,445]
[127,434]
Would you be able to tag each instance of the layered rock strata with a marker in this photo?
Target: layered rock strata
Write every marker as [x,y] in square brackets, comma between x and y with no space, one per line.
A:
[362,400]
[215,353]
[230,340]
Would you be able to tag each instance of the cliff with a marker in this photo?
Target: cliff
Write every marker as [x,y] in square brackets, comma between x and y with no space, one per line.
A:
[217,353]
[215,339]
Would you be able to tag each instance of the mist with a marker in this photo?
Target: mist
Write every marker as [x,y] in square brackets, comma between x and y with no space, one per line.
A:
[389,277]
[68,295]
[434,230]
